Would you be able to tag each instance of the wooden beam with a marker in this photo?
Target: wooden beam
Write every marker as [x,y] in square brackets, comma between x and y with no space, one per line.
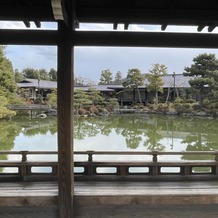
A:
[28,37]
[37,23]
[26,23]
[145,16]
[163,27]
[112,38]
[65,122]
[145,39]
[200,28]
[25,12]
[212,27]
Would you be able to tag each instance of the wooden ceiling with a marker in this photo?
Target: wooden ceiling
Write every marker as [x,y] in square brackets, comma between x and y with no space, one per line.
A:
[198,13]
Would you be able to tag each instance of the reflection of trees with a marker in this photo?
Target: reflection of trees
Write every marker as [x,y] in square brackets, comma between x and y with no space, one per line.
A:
[197,134]
[133,138]
[132,131]
[203,137]
[85,127]
[153,135]
[42,126]
[8,132]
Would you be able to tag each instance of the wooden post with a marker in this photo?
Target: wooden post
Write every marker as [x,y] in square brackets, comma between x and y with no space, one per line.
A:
[65,121]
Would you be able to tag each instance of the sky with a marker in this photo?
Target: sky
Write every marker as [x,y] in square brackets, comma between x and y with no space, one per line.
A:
[90,61]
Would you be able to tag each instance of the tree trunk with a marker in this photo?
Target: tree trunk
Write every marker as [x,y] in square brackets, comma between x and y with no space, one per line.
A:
[139,94]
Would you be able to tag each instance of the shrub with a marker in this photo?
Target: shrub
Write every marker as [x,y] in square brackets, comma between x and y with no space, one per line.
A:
[179,100]
[196,106]
[162,108]
[191,101]
[94,110]
[81,111]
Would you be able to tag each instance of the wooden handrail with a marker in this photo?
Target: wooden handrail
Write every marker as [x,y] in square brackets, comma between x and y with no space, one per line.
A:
[91,153]
[122,168]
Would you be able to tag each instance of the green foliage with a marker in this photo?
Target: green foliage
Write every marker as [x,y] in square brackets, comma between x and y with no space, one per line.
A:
[133,80]
[7,81]
[81,98]
[155,81]
[18,76]
[4,112]
[8,85]
[30,73]
[52,99]
[118,78]
[52,74]
[106,77]
[39,99]
[178,100]
[190,101]
[113,103]
[204,73]
[95,96]
[43,74]
[40,74]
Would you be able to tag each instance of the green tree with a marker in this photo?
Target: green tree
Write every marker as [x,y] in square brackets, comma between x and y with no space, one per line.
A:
[133,80]
[43,74]
[81,98]
[52,74]
[30,73]
[95,96]
[4,112]
[8,85]
[118,78]
[18,76]
[52,99]
[155,81]
[106,77]
[204,72]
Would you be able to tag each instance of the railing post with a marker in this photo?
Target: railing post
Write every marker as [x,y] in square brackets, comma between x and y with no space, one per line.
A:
[24,156]
[24,167]
[90,165]
[90,158]
[155,153]
[216,159]
[154,168]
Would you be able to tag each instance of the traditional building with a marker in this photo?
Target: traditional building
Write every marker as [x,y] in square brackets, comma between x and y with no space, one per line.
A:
[37,87]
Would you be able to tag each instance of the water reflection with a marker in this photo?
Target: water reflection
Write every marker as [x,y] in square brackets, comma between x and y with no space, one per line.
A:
[123,133]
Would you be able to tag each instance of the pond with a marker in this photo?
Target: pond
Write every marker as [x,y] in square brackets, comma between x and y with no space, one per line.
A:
[114,133]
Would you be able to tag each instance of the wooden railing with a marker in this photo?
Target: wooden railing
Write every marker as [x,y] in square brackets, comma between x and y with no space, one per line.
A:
[28,107]
[103,165]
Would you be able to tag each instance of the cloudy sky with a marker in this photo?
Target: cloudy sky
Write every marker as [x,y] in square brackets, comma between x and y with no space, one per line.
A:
[90,61]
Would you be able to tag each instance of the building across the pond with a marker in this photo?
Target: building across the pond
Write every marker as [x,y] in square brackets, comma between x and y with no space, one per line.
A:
[174,86]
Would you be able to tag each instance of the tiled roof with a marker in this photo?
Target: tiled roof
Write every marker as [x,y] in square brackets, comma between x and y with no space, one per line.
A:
[180,81]
[43,84]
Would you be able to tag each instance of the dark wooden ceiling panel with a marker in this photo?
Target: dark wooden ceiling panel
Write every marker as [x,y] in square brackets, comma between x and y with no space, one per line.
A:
[162,12]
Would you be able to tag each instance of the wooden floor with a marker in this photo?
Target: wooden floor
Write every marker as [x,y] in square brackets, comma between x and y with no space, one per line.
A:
[112,199]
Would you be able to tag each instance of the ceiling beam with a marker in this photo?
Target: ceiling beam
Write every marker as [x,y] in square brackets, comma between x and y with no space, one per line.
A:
[212,27]
[145,16]
[112,38]
[26,23]
[20,13]
[200,28]
[28,37]
[145,39]
[163,27]
[37,23]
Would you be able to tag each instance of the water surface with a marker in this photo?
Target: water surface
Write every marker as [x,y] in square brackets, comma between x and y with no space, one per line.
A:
[114,133]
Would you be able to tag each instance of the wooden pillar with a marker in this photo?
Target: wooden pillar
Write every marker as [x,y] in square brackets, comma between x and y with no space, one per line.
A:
[65,121]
